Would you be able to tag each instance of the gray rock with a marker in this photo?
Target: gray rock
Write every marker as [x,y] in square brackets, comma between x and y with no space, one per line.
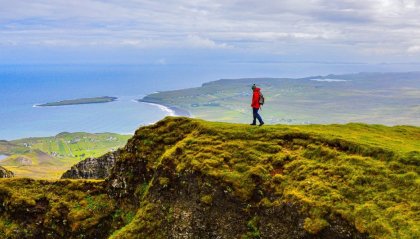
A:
[92,168]
[4,173]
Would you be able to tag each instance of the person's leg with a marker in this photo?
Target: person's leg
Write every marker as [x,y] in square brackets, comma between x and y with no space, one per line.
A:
[258,117]
[254,115]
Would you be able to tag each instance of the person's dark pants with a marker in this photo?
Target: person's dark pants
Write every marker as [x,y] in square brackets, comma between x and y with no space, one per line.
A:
[256,116]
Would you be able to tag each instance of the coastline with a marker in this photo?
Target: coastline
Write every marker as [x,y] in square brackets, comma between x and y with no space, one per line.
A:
[171,110]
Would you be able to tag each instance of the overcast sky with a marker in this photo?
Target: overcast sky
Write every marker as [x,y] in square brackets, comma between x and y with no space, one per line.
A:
[164,30]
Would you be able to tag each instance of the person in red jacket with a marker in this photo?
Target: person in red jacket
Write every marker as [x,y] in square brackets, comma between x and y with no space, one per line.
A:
[256,105]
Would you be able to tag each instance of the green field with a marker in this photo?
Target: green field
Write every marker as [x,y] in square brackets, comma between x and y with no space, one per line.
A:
[49,157]
[375,98]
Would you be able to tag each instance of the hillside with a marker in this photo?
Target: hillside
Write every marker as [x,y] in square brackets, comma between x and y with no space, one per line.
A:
[49,157]
[185,178]
[375,98]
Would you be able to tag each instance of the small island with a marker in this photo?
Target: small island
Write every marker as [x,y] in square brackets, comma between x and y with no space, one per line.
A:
[81,101]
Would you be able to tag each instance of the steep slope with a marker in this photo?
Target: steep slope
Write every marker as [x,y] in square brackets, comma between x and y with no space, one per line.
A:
[185,178]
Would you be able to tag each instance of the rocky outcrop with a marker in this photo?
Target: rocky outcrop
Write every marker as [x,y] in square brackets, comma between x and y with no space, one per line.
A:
[4,173]
[92,168]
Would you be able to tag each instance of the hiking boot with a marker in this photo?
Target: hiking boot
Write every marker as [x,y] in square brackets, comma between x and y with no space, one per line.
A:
[261,124]
[253,124]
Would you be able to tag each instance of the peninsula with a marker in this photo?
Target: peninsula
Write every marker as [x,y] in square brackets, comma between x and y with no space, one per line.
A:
[376,98]
[81,101]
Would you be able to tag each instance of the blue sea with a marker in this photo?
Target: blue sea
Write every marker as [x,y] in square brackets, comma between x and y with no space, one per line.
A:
[23,86]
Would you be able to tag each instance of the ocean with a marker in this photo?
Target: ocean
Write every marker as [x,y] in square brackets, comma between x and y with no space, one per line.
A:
[23,86]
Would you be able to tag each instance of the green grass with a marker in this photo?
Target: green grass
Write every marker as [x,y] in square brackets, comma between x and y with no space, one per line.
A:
[366,174]
[61,208]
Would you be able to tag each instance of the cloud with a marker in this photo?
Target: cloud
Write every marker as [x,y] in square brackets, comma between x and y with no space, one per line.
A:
[385,27]
[197,41]
[414,49]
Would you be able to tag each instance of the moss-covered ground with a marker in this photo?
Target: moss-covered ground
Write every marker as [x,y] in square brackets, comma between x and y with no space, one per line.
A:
[365,174]
[58,209]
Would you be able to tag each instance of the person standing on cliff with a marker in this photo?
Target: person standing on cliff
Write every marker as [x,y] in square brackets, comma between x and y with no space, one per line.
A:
[257,101]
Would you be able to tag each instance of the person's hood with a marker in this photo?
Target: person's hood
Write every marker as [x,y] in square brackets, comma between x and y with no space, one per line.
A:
[257,89]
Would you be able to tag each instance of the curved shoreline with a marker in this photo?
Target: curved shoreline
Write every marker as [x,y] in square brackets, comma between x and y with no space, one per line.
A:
[172,110]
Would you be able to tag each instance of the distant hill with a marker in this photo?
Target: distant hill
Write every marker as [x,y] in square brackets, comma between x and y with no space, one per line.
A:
[34,157]
[375,98]
[191,178]
[49,157]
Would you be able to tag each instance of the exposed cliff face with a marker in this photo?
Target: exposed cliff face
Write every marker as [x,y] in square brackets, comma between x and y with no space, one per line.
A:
[196,206]
[185,178]
[4,173]
[92,168]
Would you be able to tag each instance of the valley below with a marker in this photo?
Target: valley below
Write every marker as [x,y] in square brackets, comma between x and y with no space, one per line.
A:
[49,157]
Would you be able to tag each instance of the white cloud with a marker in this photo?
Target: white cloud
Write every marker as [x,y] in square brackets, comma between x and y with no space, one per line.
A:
[197,41]
[414,49]
[385,27]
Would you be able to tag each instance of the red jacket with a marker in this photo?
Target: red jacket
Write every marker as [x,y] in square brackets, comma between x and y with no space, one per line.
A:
[256,99]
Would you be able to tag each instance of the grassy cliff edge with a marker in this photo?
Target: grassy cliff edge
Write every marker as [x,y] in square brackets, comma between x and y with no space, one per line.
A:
[192,178]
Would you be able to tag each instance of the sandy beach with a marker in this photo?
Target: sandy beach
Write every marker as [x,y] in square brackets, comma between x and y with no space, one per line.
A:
[171,110]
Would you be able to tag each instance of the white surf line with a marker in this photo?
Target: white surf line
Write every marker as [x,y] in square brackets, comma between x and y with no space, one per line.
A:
[166,109]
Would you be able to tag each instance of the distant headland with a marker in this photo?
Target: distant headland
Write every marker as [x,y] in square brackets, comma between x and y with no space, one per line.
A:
[81,101]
